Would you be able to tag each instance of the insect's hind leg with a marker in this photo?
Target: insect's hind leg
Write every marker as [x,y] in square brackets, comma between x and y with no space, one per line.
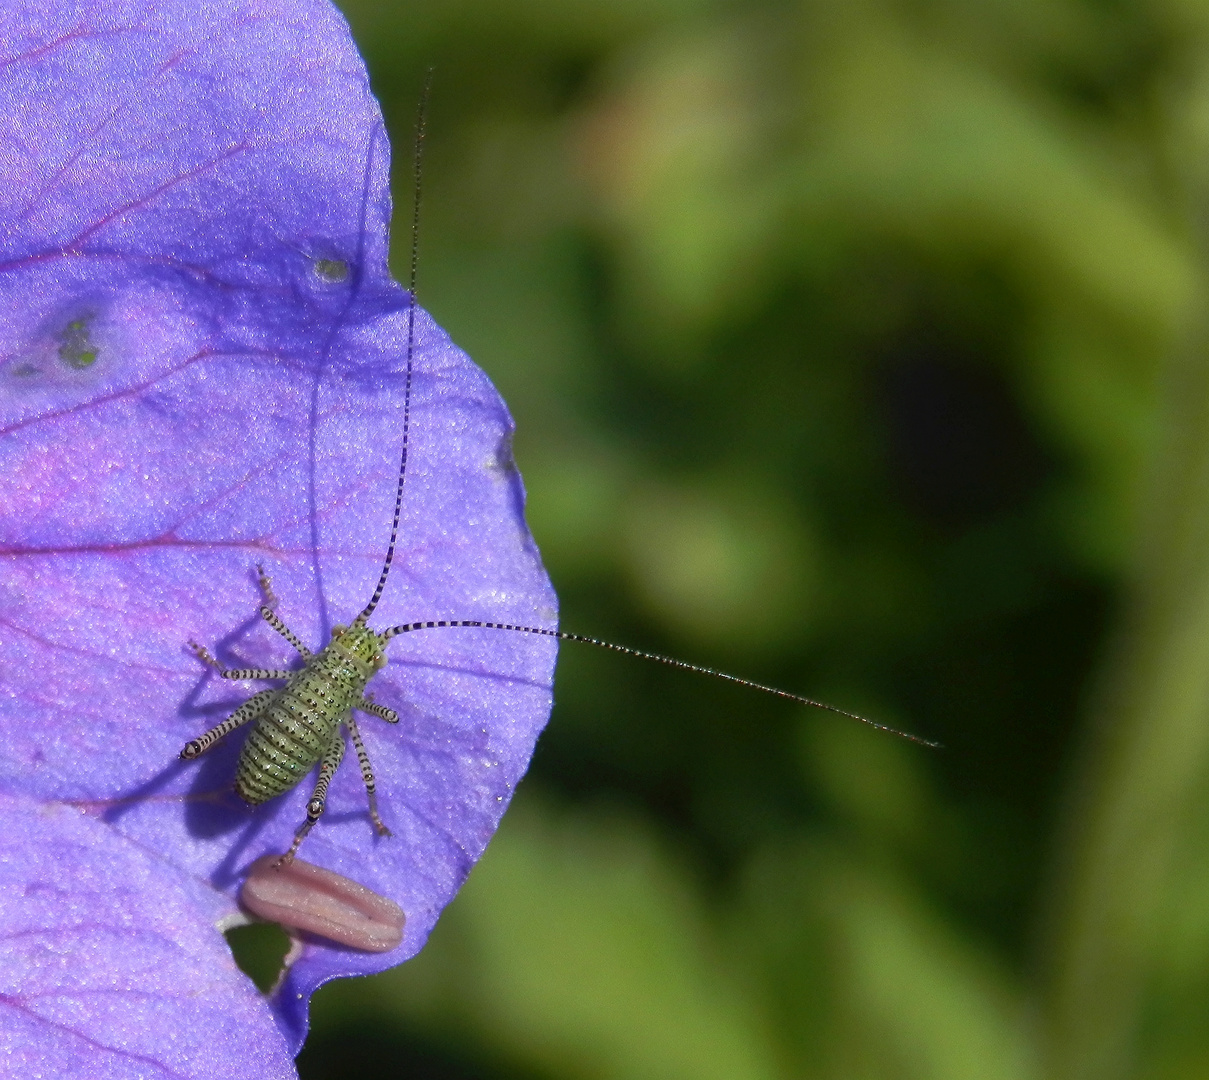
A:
[318,801]
[367,771]
[249,710]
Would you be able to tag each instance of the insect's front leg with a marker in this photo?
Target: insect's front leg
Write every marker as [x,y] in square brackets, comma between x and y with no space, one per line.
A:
[274,620]
[266,588]
[314,809]
[268,612]
[249,710]
[367,773]
[207,657]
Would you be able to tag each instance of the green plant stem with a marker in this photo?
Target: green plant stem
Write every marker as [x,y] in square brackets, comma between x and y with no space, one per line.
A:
[1142,780]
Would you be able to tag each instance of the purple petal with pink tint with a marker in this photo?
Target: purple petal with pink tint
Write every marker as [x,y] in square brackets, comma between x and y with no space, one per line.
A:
[202,360]
[111,966]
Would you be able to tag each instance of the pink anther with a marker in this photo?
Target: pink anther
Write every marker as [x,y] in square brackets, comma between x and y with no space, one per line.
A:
[301,896]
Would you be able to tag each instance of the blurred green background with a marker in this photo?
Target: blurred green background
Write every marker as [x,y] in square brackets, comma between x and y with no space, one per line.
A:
[854,347]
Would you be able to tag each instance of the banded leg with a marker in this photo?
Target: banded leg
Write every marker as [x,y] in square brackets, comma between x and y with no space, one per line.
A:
[367,775]
[266,612]
[249,710]
[318,801]
[368,705]
[272,618]
[207,657]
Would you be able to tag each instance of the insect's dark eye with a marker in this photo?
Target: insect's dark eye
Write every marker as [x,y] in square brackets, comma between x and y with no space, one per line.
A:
[379,661]
[338,630]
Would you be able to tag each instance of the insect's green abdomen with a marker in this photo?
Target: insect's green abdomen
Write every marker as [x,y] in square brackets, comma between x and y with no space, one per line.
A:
[299,725]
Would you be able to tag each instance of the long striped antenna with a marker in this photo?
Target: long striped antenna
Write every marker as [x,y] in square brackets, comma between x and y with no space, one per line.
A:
[697,669]
[417,172]
[558,635]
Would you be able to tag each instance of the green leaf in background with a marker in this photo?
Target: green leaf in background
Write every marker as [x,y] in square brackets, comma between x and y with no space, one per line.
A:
[854,347]
[588,955]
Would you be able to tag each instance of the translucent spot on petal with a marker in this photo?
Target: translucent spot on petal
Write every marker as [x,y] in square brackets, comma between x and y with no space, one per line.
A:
[76,347]
[503,460]
[333,271]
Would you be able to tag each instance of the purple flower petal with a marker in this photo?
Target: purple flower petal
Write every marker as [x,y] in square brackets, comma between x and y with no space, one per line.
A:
[201,369]
[110,961]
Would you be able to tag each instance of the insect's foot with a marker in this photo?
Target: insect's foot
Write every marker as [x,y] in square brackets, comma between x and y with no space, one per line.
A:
[266,588]
[205,656]
[299,836]
[381,829]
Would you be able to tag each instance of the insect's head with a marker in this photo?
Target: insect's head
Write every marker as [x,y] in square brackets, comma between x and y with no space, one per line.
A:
[359,644]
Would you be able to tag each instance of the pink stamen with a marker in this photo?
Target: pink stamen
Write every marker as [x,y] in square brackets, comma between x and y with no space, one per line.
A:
[301,896]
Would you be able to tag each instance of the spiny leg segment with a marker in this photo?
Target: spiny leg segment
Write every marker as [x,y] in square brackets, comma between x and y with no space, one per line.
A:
[382,712]
[266,588]
[268,612]
[271,617]
[367,776]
